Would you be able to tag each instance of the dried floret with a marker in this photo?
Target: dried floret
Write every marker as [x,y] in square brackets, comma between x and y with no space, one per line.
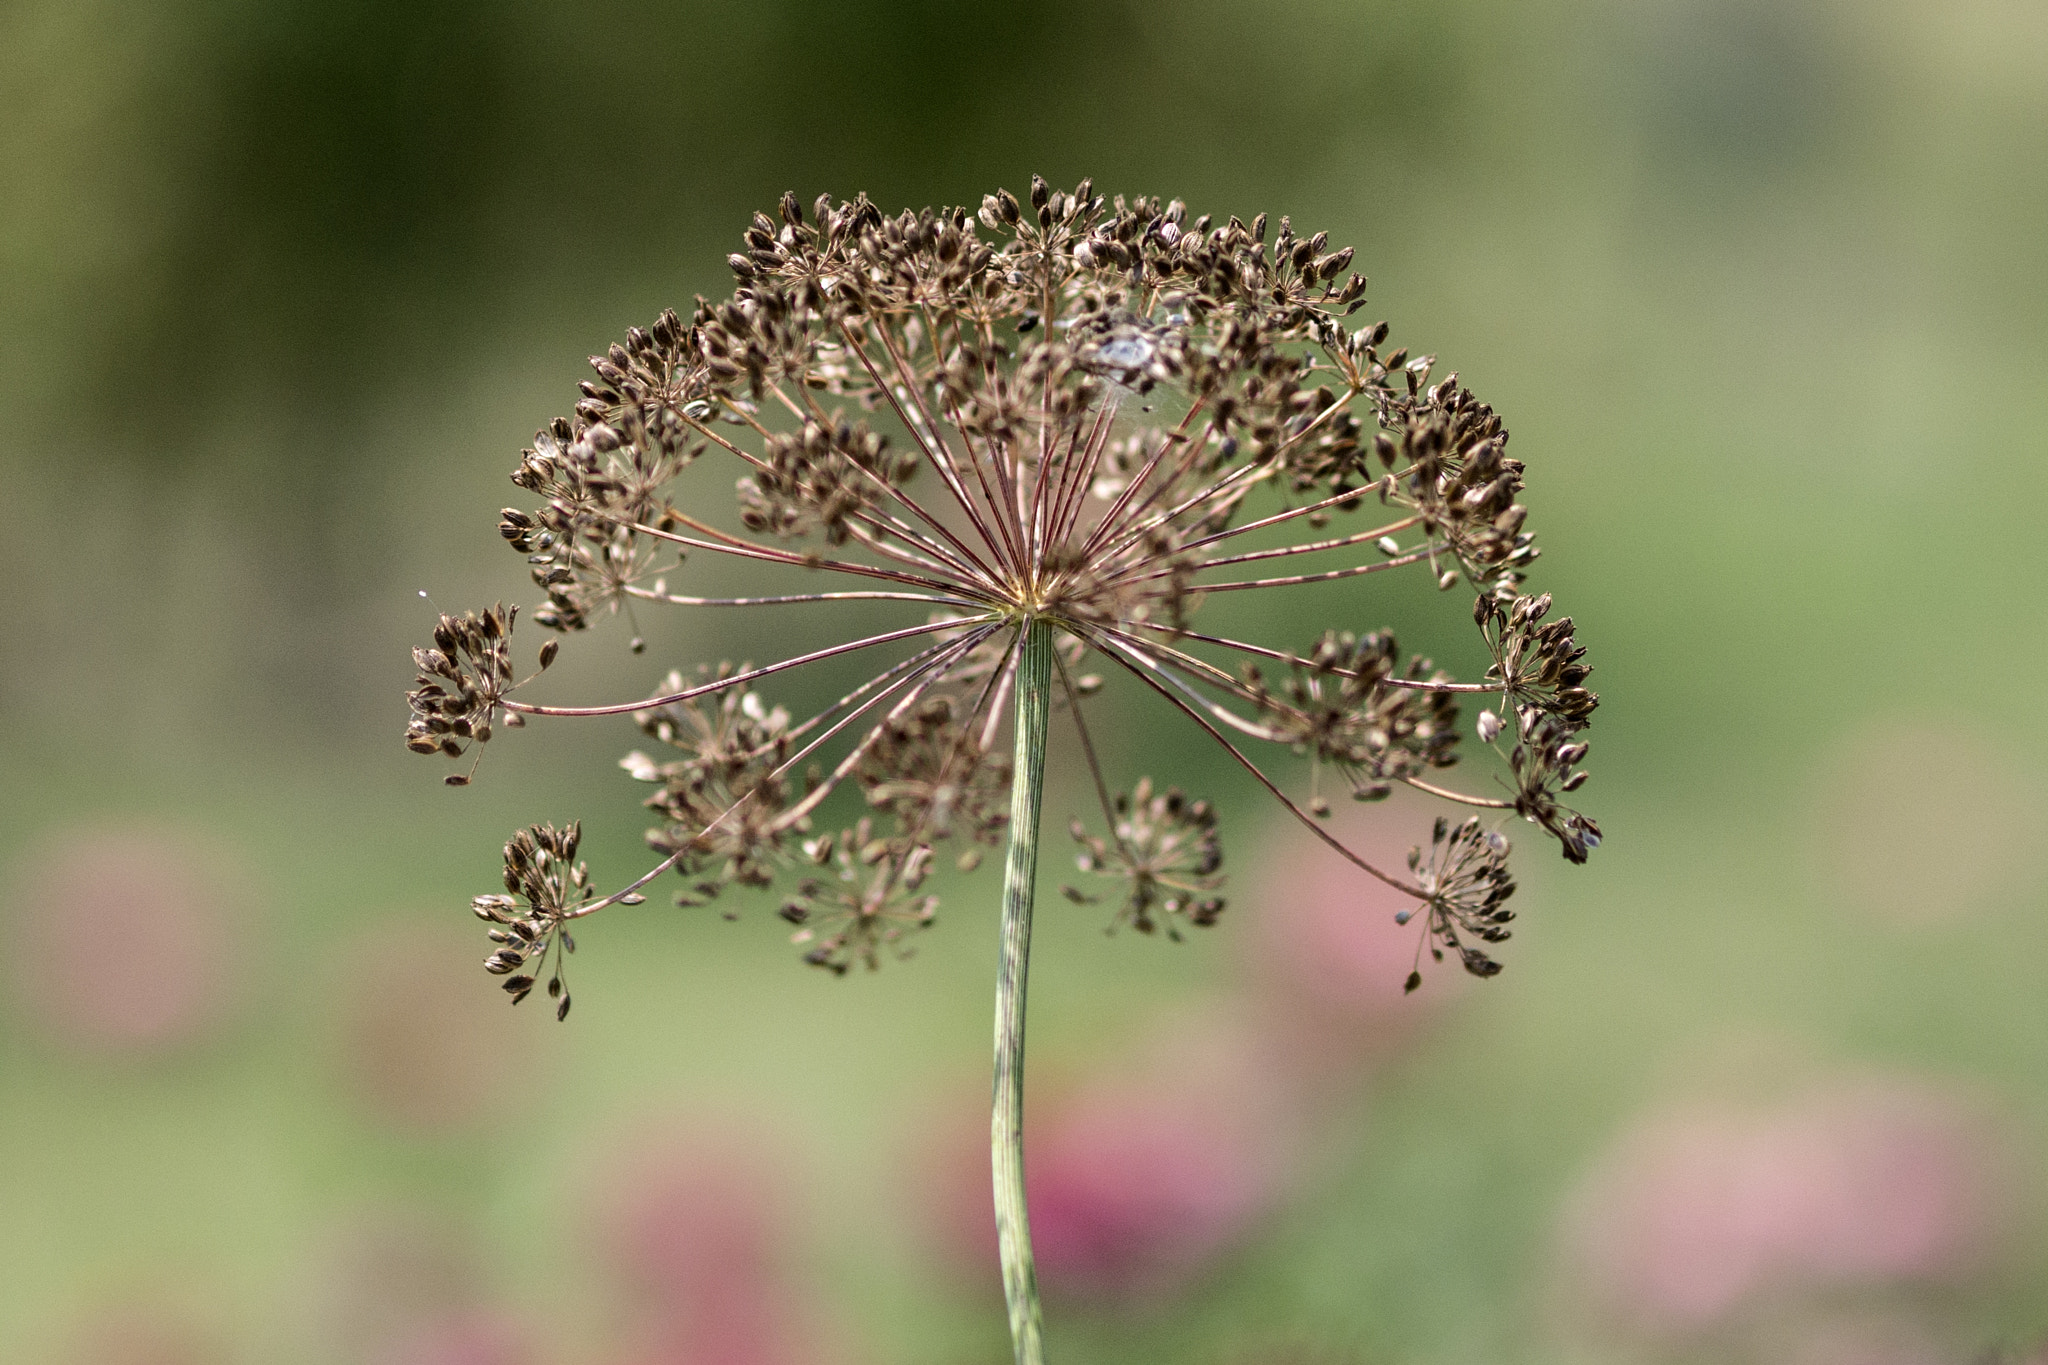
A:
[722,803]
[864,899]
[1466,886]
[1344,703]
[462,684]
[1537,663]
[927,769]
[828,478]
[542,872]
[1165,850]
[1545,763]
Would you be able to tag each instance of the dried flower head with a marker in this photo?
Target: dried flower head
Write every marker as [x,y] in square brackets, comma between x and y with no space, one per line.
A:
[462,683]
[1164,848]
[865,899]
[1059,414]
[1466,884]
[541,870]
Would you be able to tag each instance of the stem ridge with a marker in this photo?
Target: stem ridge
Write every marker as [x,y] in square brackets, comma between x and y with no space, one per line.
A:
[1020,882]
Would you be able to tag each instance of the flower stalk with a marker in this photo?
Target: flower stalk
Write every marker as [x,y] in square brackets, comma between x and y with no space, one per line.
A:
[1013,967]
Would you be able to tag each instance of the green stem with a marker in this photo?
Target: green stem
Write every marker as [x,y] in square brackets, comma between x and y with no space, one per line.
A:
[1020,883]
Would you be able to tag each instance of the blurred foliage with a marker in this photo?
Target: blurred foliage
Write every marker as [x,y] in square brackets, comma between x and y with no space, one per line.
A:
[307,204]
[1760,289]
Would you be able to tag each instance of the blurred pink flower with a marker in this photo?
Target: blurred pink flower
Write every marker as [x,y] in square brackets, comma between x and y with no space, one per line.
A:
[128,940]
[403,1286]
[1131,1192]
[426,1046]
[1328,960]
[473,1337]
[695,1228]
[1139,1177]
[1703,1209]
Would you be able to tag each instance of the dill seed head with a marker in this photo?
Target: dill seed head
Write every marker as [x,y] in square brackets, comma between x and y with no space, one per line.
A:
[542,872]
[1466,885]
[1166,851]
[1059,412]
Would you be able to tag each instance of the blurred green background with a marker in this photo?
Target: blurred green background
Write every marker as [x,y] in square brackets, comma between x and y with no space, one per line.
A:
[1762,290]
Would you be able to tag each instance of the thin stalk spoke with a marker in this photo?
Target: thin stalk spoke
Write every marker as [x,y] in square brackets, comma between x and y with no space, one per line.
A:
[1181,433]
[719,440]
[998,675]
[1230,717]
[1282,656]
[1209,673]
[733,545]
[1088,751]
[965,553]
[644,878]
[960,561]
[861,529]
[918,684]
[1142,652]
[738,679]
[1236,484]
[672,859]
[1008,499]
[1336,406]
[1354,571]
[1462,798]
[932,446]
[1034,505]
[1068,512]
[1307,820]
[677,599]
[1253,556]
[1263,522]
[1262,469]
[927,441]
[1006,682]
[883,679]
[1001,500]
[909,504]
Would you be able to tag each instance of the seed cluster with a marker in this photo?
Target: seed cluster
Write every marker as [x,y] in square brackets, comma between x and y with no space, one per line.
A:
[1058,412]
[1466,883]
[462,683]
[541,870]
[1165,849]
[1338,707]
